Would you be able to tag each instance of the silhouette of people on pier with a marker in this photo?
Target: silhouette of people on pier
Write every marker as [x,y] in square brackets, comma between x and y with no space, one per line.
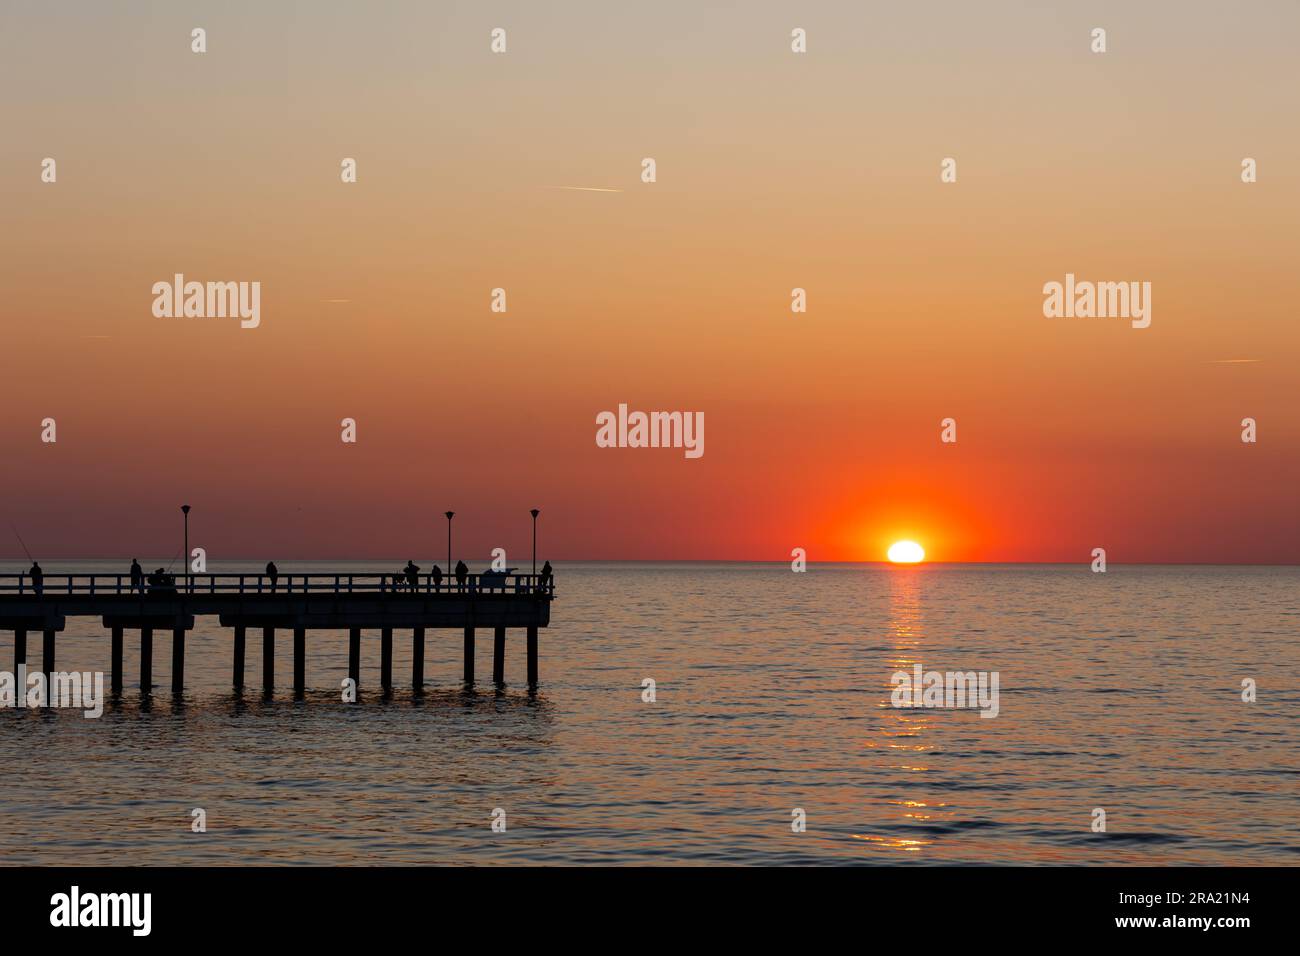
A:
[412,574]
[462,572]
[437,578]
[272,572]
[38,578]
[137,576]
[547,575]
[161,581]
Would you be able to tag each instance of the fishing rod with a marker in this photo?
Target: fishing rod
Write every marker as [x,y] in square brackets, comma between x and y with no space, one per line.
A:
[23,543]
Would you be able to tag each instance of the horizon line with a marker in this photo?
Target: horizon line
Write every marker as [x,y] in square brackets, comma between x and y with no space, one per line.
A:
[488,559]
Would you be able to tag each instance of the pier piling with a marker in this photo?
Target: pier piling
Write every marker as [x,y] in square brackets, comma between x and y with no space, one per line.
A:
[499,656]
[146,661]
[240,636]
[178,661]
[47,651]
[115,664]
[299,661]
[417,659]
[268,660]
[532,657]
[354,655]
[20,648]
[386,659]
[469,655]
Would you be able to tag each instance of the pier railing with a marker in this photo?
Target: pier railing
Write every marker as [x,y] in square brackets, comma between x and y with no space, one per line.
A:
[314,583]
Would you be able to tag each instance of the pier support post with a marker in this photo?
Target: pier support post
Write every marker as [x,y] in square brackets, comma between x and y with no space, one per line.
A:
[354,655]
[240,635]
[499,656]
[469,655]
[146,661]
[115,665]
[20,650]
[299,661]
[47,652]
[532,657]
[178,661]
[417,659]
[386,659]
[268,660]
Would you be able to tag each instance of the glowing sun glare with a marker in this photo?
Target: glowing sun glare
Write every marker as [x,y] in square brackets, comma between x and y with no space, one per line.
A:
[906,552]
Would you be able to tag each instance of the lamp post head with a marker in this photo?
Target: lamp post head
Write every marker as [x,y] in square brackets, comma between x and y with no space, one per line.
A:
[450,515]
[534,513]
[185,509]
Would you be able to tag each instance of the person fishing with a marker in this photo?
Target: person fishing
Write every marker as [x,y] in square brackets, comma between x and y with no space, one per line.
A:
[547,575]
[462,572]
[437,578]
[137,576]
[412,574]
[272,572]
[37,575]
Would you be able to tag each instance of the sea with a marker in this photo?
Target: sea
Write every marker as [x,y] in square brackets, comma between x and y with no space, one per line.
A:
[704,713]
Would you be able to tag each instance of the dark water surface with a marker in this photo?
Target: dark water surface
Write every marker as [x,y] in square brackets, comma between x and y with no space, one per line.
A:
[1120,691]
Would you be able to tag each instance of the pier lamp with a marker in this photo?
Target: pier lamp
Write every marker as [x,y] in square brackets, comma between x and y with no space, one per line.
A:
[534,513]
[450,515]
[185,510]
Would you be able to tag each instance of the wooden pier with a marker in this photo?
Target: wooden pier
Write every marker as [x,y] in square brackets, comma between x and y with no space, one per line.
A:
[296,602]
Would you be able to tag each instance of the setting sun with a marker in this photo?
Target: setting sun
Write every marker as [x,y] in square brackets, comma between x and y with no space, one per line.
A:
[906,552]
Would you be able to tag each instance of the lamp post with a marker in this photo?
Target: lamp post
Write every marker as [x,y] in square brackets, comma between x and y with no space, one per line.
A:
[534,513]
[185,510]
[450,515]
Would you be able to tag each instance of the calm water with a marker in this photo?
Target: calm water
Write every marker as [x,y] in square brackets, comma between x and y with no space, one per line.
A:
[1119,691]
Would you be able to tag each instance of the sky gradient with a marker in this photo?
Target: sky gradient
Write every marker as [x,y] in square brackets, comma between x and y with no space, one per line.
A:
[775,171]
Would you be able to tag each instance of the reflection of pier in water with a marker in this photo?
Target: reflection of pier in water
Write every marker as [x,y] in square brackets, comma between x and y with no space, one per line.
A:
[297,602]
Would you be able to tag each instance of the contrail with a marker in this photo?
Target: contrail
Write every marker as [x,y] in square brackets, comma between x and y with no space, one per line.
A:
[589,189]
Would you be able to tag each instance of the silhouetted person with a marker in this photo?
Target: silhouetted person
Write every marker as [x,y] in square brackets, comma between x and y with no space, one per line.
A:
[462,572]
[546,575]
[437,578]
[412,573]
[38,578]
[137,576]
[272,572]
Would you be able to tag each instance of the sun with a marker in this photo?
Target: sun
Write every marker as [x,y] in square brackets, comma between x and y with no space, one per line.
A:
[906,552]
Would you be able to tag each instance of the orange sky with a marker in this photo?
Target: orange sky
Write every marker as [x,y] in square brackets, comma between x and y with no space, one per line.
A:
[775,170]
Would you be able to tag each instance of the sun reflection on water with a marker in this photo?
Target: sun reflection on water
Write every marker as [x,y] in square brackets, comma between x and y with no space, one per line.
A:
[904,731]
[894,843]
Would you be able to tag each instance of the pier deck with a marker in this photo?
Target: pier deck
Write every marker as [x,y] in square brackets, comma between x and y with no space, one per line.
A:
[297,602]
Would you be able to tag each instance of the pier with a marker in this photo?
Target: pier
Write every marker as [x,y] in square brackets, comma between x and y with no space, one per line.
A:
[296,602]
